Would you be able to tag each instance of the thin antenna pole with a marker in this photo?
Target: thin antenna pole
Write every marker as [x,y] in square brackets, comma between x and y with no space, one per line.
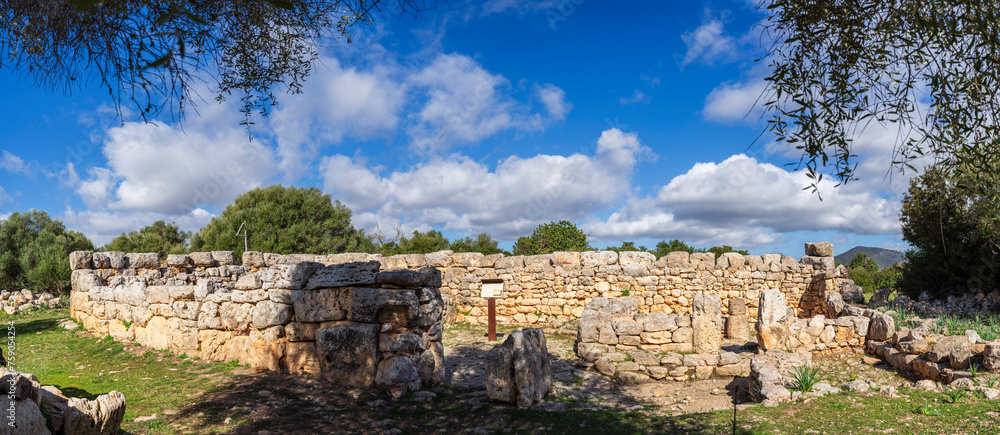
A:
[243,227]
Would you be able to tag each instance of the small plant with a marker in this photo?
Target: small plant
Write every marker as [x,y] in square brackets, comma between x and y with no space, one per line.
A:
[853,376]
[127,323]
[805,377]
[954,394]
[991,381]
[928,410]
[625,293]
[974,370]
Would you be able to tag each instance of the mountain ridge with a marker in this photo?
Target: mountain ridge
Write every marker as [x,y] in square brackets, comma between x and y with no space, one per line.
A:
[884,257]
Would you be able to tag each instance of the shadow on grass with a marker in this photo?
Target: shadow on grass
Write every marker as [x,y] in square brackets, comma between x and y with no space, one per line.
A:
[77,392]
[31,326]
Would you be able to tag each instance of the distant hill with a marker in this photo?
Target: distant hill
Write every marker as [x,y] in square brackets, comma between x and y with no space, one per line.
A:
[884,257]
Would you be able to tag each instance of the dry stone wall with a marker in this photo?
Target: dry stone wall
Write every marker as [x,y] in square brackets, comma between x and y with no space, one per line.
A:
[341,317]
[553,289]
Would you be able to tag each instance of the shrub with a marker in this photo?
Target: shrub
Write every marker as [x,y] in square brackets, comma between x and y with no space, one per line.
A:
[805,377]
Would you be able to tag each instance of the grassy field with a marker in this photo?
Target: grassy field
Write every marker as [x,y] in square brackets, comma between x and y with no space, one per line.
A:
[189,396]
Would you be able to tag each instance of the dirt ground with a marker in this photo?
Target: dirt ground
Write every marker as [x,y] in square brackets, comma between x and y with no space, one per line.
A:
[265,403]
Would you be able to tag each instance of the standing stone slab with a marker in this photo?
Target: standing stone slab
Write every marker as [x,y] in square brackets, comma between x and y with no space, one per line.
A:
[881,327]
[345,274]
[771,314]
[833,304]
[991,356]
[348,354]
[706,324]
[519,370]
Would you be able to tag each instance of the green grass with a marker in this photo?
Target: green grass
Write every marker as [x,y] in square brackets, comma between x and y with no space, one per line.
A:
[86,367]
[206,394]
[805,378]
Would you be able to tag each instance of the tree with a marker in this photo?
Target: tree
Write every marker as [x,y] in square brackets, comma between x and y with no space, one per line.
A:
[284,220]
[160,237]
[151,52]
[552,237]
[863,261]
[950,230]
[35,252]
[837,66]
[664,247]
[627,246]
[719,250]
[483,243]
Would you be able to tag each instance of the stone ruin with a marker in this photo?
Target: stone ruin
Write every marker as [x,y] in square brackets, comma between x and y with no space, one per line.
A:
[63,415]
[23,301]
[348,321]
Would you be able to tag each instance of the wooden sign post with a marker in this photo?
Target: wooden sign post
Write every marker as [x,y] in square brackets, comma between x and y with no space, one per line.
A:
[492,289]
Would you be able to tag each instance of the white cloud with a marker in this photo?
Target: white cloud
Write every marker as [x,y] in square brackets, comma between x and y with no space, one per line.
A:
[554,99]
[740,101]
[466,103]
[170,169]
[652,80]
[709,43]
[4,198]
[637,97]
[510,200]
[742,202]
[13,164]
[102,226]
[337,102]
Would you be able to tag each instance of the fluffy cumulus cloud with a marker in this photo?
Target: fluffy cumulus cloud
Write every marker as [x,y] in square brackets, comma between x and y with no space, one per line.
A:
[337,102]
[743,202]
[172,169]
[507,201]
[463,103]
[13,164]
[736,101]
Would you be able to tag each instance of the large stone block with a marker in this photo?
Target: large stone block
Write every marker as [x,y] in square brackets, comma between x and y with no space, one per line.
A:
[146,260]
[738,328]
[202,259]
[598,258]
[343,275]
[109,260]
[423,277]
[991,356]
[81,260]
[519,370]
[881,327]
[301,357]
[772,307]
[398,375]
[833,304]
[318,305]
[224,258]
[678,257]
[267,313]
[440,258]
[253,259]
[636,257]
[348,354]
[178,260]
[819,249]
[372,305]
[820,263]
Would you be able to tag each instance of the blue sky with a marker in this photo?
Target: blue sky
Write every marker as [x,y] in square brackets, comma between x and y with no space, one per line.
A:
[636,123]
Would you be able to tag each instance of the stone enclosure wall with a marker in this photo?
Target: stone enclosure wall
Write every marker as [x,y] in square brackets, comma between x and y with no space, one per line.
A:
[553,289]
[348,321]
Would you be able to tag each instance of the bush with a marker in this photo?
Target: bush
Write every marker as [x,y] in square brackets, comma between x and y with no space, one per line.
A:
[34,252]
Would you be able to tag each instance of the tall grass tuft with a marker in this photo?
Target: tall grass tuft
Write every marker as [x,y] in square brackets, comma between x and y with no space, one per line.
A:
[805,377]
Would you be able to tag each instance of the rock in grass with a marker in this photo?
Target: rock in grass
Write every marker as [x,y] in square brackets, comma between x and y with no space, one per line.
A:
[519,370]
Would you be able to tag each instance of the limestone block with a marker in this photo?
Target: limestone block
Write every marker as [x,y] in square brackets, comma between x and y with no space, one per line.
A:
[636,257]
[659,337]
[415,260]
[298,331]
[236,317]
[819,263]
[820,249]
[301,357]
[345,274]
[635,270]
[959,358]
[186,309]
[468,259]
[202,259]
[203,288]
[181,292]
[519,370]
[588,329]
[881,327]
[253,259]
[991,356]
[81,260]
[73,415]
[149,260]
[398,375]
[424,277]
[913,347]
[178,260]
[738,307]
[731,259]
[268,313]
[682,335]
[318,305]
[224,258]
[440,258]
[738,328]
[208,316]
[510,262]
[405,342]
[771,308]
[707,258]
[833,304]
[628,328]
[659,324]
[249,281]
[348,354]
[598,258]
[372,305]
[678,257]
[109,260]
[566,258]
